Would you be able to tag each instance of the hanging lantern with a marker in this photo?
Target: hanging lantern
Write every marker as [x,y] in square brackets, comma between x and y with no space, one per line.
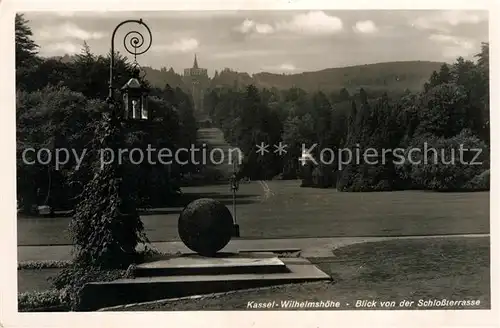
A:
[135,100]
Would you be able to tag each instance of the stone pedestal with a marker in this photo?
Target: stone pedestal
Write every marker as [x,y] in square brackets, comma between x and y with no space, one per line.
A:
[192,274]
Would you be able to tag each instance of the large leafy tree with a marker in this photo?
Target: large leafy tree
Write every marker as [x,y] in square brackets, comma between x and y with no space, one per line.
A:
[443,110]
[52,118]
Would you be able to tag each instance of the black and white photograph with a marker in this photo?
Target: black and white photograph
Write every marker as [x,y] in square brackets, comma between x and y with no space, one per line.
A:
[252,160]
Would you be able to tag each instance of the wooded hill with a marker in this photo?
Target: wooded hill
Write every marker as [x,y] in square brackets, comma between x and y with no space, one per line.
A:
[393,76]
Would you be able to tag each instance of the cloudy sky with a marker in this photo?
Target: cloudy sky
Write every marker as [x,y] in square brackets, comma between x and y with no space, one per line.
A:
[274,41]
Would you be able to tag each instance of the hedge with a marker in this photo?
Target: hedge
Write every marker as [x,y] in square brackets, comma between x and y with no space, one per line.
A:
[40,301]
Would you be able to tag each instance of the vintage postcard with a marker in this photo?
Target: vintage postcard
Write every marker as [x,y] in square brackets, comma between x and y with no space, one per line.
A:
[282,163]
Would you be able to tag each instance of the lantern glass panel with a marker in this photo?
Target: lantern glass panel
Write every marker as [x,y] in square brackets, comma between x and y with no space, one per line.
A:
[136,108]
[126,106]
[144,107]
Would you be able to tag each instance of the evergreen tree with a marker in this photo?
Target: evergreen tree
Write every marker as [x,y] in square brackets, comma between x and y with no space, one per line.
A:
[26,53]
[483,58]
[363,96]
[344,94]
[26,48]
[483,65]
[444,75]
[84,67]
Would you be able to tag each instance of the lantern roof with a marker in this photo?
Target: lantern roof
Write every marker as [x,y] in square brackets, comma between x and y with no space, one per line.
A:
[133,83]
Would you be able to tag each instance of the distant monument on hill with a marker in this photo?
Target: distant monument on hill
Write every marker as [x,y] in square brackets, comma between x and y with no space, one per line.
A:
[197,80]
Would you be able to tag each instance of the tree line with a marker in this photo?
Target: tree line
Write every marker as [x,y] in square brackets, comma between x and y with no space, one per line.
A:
[450,111]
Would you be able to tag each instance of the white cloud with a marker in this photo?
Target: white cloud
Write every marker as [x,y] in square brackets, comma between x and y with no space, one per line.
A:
[66,30]
[285,67]
[127,14]
[452,40]
[249,26]
[453,46]
[61,48]
[367,26]
[86,14]
[443,21]
[313,22]
[180,46]
[248,53]
[67,13]
[264,28]
[246,27]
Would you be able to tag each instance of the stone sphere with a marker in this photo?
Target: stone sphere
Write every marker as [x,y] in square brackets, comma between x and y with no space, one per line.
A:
[205,226]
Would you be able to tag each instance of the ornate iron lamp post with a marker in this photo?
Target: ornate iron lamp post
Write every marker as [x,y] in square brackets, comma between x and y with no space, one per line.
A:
[106,209]
[132,104]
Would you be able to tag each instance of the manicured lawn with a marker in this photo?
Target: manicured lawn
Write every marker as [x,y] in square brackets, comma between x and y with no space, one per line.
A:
[29,280]
[290,211]
[397,270]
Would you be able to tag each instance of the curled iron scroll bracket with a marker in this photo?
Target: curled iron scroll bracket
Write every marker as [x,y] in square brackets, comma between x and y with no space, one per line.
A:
[134,43]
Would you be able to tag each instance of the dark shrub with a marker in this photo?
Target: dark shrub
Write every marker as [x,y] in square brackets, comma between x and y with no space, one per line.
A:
[438,165]
[480,182]
[70,282]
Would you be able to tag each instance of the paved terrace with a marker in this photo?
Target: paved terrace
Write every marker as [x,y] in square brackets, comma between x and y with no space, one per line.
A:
[310,247]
